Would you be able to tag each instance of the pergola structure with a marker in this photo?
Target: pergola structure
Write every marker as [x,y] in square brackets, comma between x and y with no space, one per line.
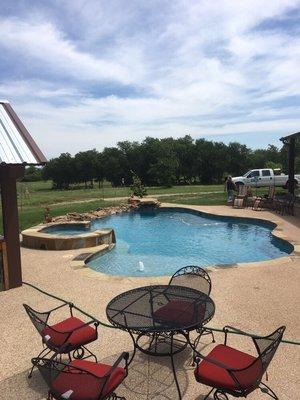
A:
[17,150]
[290,141]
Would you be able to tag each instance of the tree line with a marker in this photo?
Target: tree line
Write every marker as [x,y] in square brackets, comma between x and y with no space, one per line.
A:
[161,162]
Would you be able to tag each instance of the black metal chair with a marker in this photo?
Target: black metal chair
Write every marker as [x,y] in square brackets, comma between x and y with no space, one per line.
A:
[82,379]
[285,204]
[232,372]
[196,278]
[266,201]
[68,336]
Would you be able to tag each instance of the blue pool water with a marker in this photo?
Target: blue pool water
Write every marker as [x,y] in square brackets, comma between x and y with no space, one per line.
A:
[165,240]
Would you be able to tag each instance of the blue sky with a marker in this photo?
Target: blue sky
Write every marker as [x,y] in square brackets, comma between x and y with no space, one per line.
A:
[87,74]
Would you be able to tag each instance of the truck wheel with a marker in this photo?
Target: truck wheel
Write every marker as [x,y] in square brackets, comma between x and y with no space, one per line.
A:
[239,184]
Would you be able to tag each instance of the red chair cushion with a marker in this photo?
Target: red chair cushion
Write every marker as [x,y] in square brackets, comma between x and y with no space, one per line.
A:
[181,311]
[60,333]
[84,385]
[217,377]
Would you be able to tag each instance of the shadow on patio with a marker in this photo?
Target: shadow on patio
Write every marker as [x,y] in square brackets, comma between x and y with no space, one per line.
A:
[149,378]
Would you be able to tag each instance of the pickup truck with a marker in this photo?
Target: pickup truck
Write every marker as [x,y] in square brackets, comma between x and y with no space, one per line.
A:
[264,177]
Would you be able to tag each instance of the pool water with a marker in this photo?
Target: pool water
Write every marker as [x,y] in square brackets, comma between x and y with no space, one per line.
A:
[166,240]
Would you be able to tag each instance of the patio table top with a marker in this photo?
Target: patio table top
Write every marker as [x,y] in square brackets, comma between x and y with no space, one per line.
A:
[160,308]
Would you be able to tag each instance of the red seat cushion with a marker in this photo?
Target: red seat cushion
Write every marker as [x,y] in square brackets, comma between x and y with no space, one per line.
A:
[182,312]
[84,385]
[60,333]
[215,376]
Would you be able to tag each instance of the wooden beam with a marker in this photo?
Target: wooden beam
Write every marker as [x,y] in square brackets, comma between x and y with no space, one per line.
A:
[5,267]
[292,146]
[8,178]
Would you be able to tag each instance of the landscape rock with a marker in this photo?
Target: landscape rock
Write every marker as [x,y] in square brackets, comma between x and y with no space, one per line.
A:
[103,212]
[89,216]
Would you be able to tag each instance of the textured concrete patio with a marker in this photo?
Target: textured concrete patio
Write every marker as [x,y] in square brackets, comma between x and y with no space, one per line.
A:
[256,297]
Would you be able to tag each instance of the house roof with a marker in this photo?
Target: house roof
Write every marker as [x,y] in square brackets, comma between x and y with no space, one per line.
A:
[16,144]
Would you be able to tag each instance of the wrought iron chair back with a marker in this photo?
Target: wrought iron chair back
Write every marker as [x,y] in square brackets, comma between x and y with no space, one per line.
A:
[40,322]
[266,347]
[38,319]
[194,277]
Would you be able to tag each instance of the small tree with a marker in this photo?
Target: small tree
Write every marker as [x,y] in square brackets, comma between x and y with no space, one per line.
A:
[273,165]
[137,187]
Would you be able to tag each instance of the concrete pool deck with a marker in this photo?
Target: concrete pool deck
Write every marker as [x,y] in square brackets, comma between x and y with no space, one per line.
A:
[257,298]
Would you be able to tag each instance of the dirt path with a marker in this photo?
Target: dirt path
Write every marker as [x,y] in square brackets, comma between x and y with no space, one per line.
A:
[126,197]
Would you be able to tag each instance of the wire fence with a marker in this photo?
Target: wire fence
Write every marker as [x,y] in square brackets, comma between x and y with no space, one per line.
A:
[286,341]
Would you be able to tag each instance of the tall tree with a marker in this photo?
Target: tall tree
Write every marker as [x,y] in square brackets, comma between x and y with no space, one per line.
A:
[86,166]
[61,170]
[115,165]
[240,158]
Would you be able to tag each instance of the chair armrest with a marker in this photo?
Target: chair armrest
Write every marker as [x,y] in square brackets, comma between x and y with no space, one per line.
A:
[96,323]
[229,369]
[123,356]
[200,357]
[85,313]
[58,307]
[230,329]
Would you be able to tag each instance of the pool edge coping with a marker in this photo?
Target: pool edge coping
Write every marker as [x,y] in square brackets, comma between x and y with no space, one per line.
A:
[39,234]
[278,231]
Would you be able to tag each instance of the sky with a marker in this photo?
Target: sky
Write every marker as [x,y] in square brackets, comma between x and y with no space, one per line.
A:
[86,74]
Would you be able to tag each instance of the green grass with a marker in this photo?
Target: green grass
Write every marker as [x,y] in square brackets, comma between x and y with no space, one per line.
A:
[39,195]
[31,216]
[211,199]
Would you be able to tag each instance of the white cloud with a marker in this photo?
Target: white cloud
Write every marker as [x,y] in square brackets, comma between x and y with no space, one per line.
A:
[202,67]
[42,42]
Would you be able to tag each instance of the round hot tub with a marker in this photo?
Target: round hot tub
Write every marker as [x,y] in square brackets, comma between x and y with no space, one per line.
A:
[66,236]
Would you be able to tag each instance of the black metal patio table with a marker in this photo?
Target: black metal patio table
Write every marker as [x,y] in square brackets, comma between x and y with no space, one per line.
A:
[159,318]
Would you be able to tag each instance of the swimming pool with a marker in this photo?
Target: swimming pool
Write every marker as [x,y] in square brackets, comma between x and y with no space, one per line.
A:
[154,243]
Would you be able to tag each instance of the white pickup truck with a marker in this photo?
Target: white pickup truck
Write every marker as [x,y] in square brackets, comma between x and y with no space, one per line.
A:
[263,177]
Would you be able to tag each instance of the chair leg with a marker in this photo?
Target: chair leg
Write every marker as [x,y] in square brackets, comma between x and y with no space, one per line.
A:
[220,395]
[267,390]
[201,332]
[205,331]
[80,353]
[113,396]
[208,394]
[46,351]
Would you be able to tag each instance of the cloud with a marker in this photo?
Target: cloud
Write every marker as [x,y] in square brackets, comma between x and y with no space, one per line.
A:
[88,74]
[43,43]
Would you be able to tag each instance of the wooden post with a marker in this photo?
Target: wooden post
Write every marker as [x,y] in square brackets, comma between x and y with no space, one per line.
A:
[291,186]
[5,267]
[8,177]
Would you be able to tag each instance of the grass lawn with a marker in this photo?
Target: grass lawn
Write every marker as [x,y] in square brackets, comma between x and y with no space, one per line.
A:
[33,197]
[41,194]
[212,199]
[30,216]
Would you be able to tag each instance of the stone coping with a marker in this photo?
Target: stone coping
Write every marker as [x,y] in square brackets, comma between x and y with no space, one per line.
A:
[35,237]
[279,231]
